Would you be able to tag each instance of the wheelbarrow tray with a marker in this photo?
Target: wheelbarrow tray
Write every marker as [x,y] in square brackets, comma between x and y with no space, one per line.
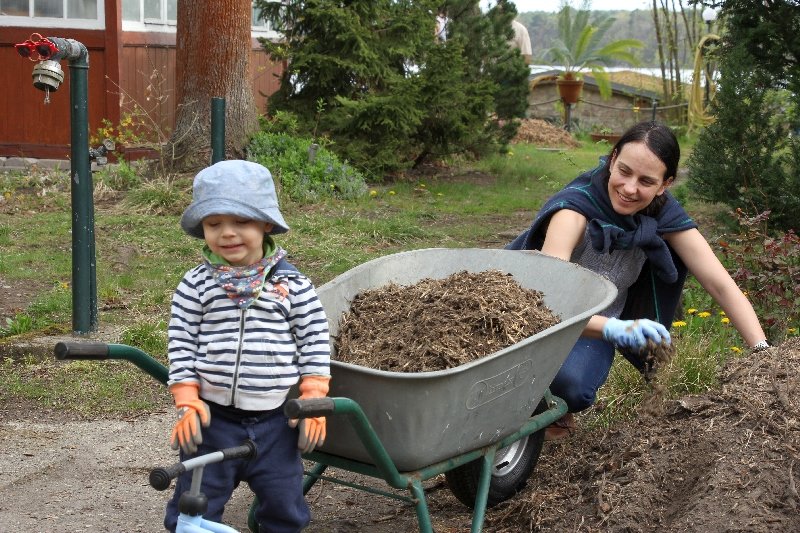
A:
[426,417]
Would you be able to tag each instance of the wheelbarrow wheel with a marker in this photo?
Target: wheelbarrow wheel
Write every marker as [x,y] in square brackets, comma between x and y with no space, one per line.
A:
[513,465]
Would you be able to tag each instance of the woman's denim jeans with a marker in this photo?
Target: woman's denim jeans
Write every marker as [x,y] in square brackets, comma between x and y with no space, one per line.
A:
[583,373]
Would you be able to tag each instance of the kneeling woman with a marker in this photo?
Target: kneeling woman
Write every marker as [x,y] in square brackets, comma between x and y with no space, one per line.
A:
[620,221]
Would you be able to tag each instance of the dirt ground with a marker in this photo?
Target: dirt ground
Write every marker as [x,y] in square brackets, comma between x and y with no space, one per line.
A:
[725,461]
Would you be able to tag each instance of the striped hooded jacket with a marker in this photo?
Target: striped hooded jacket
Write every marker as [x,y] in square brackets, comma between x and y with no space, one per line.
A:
[247,358]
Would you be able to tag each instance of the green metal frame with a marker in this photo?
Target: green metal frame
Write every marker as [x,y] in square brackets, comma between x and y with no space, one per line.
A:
[382,468]
[385,469]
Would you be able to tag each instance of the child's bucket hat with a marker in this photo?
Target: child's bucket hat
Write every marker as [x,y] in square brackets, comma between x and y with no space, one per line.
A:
[239,188]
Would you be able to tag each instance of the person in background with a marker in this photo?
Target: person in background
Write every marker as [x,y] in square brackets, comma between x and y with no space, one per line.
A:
[619,220]
[440,31]
[246,326]
[521,41]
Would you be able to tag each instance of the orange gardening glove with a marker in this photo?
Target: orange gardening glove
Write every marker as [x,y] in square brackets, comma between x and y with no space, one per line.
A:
[192,413]
[312,430]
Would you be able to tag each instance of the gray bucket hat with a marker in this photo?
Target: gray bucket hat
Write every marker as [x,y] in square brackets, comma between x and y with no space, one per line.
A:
[239,188]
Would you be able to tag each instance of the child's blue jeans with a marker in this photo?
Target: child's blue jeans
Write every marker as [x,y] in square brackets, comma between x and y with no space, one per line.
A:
[275,475]
[583,373]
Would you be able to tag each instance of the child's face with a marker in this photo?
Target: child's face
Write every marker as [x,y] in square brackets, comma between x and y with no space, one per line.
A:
[240,241]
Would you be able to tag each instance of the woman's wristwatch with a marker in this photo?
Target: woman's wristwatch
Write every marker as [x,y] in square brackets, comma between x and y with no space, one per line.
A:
[761,345]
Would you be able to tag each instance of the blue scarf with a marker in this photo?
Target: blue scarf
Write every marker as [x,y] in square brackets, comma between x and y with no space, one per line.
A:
[663,272]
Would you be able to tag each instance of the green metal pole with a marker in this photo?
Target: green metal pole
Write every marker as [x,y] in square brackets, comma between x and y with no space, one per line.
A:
[84,276]
[217,130]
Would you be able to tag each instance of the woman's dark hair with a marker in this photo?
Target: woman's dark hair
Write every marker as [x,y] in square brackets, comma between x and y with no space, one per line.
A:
[661,141]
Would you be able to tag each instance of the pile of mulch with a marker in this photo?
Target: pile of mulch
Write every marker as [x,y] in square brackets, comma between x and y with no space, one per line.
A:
[438,324]
[543,134]
[727,460]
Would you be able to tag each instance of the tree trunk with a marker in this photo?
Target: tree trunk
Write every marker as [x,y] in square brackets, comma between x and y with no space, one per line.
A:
[660,43]
[213,56]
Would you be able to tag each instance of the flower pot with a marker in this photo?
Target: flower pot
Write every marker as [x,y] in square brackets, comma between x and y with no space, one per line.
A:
[569,90]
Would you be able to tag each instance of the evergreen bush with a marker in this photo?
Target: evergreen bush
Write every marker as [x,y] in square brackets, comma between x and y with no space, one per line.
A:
[371,77]
[749,157]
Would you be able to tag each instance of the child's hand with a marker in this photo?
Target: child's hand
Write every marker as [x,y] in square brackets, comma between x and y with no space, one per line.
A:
[312,433]
[193,412]
[312,430]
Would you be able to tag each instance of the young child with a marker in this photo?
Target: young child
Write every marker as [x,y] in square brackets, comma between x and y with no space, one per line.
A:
[245,327]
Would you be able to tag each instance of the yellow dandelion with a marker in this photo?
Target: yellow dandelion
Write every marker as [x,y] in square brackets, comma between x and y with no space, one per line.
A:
[791,331]
[725,320]
[439,194]
[510,153]
[373,193]
[422,185]
[392,193]
[722,313]
[678,324]
[704,314]
[736,349]
[691,311]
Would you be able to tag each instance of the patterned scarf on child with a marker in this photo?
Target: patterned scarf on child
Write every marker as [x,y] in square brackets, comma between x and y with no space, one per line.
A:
[243,284]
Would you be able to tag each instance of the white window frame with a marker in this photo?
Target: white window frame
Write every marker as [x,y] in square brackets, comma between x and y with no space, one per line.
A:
[151,25]
[169,26]
[52,22]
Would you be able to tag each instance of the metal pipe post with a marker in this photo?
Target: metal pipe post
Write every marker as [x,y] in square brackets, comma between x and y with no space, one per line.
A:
[84,268]
[217,130]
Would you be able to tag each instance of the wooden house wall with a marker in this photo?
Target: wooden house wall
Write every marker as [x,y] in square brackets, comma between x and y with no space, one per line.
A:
[29,128]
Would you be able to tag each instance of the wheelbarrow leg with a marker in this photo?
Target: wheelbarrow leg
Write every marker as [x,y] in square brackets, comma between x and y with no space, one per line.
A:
[423,515]
[482,494]
[313,476]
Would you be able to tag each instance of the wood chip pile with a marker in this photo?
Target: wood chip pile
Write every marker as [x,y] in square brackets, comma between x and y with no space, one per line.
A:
[438,324]
[543,134]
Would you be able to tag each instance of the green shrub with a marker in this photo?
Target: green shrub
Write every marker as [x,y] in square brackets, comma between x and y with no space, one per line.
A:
[305,171]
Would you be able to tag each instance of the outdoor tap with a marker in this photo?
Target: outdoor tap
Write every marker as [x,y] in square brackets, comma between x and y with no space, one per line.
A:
[47,52]
[47,77]
[99,153]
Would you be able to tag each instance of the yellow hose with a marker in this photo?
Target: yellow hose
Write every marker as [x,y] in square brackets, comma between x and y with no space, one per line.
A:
[698,113]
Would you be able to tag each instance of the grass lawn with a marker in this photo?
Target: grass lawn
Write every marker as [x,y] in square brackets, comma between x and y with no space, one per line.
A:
[142,253]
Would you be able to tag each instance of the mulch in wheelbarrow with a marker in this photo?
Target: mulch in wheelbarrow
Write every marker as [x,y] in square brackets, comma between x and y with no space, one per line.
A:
[437,324]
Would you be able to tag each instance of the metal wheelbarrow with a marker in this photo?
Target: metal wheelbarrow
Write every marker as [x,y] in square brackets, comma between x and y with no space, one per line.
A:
[481,424]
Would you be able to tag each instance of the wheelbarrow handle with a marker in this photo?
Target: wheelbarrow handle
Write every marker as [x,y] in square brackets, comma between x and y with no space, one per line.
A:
[81,350]
[160,477]
[309,408]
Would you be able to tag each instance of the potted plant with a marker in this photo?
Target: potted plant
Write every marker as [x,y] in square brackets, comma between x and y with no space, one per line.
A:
[578,49]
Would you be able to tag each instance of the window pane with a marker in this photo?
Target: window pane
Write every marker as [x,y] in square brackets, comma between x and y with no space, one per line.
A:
[131,10]
[48,8]
[82,9]
[172,9]
[152,9]
[17,8]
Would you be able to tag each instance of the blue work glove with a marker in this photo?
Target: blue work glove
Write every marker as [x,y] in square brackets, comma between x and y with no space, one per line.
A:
[634,334]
